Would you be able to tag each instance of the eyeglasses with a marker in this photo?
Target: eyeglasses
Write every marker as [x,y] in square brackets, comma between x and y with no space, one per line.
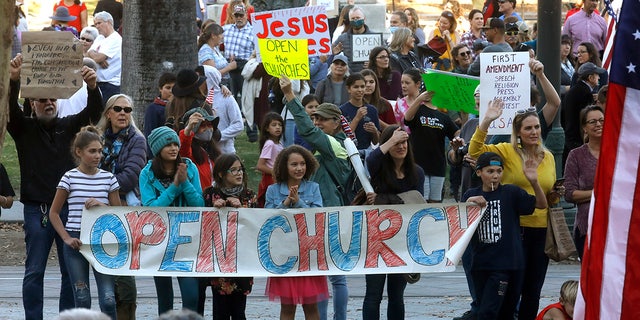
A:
[45,100]
[119,108]
[86,39]
[465,53]
[511,33]
[593,122]
[235,171]
[528,110]
[238,15]
[382,57]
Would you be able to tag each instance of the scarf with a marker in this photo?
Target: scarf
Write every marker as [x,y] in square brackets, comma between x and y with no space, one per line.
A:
[232,191]
[159,101]
[112,146]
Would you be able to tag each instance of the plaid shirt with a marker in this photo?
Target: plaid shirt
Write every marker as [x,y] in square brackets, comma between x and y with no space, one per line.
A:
[468,38]
[238,42]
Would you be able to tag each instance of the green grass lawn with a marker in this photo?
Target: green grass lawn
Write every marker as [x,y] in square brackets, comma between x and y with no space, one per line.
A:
[247,151]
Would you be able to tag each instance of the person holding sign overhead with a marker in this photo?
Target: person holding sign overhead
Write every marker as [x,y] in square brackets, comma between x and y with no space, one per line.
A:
[43,144]
[526,143]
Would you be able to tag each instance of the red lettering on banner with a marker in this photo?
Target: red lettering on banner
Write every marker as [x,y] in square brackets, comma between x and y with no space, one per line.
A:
[262,19]
[226,255]
[455,228]
[376,237]
[294,29]
[308,242]
[321,21]
[137,222]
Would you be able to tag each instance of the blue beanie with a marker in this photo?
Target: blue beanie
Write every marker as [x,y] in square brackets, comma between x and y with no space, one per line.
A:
[160,137]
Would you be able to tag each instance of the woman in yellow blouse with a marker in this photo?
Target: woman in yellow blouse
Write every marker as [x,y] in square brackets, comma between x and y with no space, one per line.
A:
[526,143]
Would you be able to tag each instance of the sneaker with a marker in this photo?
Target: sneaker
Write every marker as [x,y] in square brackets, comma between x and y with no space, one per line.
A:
[252,133]
[465,316]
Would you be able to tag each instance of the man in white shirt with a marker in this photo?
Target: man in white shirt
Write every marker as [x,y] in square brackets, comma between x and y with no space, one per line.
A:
[107,52]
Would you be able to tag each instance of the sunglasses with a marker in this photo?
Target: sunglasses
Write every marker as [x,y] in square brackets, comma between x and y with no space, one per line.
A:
[119,108]
[511,33]
[86,39]
[465,53]
[45,100]
[527,110]
[502,1]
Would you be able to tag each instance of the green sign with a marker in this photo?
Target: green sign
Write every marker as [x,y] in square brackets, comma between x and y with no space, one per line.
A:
[452,91]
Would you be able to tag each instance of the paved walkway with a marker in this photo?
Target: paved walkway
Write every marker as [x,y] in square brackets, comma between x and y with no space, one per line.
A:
[435,296]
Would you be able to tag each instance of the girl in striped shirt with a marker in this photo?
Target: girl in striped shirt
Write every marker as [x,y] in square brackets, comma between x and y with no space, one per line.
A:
[85,186]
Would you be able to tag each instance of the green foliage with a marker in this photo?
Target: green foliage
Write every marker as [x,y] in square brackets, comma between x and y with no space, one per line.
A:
[10,161]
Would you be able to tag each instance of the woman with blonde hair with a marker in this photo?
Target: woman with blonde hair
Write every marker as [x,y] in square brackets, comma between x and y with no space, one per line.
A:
[402,56]
[413,23]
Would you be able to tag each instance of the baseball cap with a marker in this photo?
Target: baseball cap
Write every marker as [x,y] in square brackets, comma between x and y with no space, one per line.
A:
[340,57]
[488,159]
[590,68]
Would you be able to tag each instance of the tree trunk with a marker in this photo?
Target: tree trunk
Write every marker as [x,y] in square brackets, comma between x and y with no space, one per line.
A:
[7,14]
[158,37]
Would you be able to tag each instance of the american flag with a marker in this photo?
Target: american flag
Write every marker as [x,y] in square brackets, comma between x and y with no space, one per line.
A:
[610,277]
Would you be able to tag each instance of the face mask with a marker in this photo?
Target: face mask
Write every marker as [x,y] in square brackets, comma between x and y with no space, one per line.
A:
[357,24]
[205,135]
[393,29]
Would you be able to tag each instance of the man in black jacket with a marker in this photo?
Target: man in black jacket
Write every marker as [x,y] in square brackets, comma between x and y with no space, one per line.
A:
[577,98]
[43,144]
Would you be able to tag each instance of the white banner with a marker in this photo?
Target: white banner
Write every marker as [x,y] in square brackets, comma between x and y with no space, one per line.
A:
[167,241]
[506,76]
[296,23]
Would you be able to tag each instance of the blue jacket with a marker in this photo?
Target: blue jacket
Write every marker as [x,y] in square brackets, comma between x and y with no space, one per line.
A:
[154,194]
[308,193]
[130,161]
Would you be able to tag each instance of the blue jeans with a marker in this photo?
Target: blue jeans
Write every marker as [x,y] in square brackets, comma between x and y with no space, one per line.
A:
[433,188]
[38,240]
[107,89]
[340,299]
[535,263]
[188,290]
[373,296]
[467,258]
[78,268]
[289,130]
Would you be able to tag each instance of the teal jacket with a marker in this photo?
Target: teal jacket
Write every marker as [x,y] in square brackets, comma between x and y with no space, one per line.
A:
[328,150]
[187,194]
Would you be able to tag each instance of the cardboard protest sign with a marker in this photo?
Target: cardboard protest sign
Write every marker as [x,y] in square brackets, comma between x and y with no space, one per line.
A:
[52,64]
[153,241]
[505,76]
[309,23]
[362,44]
[453,91]
[288,57]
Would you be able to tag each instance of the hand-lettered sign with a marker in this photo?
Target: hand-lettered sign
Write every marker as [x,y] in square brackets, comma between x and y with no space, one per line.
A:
[273,242]
[362,44]
[309,23]
[452,91]
[52,64]
[505,76]
[288,57]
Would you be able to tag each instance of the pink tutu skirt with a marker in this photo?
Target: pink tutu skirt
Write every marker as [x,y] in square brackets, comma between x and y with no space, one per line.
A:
[297,290]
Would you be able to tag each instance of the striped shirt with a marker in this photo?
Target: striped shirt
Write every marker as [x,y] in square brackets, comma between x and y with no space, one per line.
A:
[82,187]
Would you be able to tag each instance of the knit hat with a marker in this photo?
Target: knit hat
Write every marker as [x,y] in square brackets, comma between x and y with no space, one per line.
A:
[161,137]
[488,159]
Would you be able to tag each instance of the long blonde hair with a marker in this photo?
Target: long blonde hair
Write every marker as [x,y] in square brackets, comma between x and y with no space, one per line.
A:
[540,149]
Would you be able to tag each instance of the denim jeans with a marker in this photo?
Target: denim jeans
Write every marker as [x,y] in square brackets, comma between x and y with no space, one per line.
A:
[340,299]
[38,239]
[107,89]
[497,293]
[373,296]
[188,291]
[78,268]
[536,263]
[433,188]
[467,258]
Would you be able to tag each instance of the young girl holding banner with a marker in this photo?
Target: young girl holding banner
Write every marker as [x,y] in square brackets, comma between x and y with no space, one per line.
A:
[85,186]
[292,170]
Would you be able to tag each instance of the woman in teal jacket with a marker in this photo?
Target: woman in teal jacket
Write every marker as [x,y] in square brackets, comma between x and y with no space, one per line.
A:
[169,181]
